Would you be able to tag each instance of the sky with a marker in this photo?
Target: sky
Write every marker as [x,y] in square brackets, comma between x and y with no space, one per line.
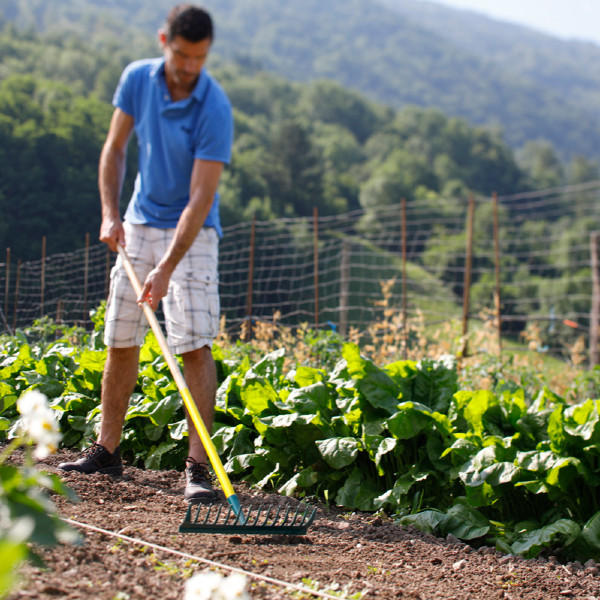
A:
[566,19]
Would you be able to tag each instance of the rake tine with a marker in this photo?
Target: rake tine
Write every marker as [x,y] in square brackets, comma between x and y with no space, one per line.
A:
[267,515]
[240,519]
[257,515]
[283,519]
[216,519]
[295,517]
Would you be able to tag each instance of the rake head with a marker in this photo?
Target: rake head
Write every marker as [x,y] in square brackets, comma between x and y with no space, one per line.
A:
[265,520]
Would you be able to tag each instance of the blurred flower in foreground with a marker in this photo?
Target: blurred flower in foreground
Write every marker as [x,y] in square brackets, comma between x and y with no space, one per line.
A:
[38,423]
[212,586]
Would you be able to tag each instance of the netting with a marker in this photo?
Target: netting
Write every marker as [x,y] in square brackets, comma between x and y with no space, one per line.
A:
[329,272]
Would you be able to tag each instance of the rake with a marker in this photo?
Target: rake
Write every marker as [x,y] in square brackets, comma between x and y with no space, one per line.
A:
[216,520]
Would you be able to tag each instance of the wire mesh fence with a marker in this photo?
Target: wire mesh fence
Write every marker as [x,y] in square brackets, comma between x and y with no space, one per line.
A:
[526,256]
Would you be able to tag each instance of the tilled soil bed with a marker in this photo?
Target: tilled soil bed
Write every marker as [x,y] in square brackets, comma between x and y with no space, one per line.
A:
[341,555]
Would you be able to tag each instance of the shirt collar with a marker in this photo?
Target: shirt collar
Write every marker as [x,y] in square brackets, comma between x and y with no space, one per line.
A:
[158,74]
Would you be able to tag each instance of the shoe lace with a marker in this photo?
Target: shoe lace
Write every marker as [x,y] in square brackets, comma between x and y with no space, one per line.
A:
[93,450]
[198,471]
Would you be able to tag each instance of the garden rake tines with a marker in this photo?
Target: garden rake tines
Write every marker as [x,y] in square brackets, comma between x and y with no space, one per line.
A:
[216,520]
[264,520]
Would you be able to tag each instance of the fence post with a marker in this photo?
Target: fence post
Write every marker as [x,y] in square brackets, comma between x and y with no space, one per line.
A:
[316,260]
[595,308]
[86,267]
[404,282]
[17,283]
[344,288]
[497,297]
[7,283]
[107,274]
[467,283]
[7,291]
[43,277]
[250,290]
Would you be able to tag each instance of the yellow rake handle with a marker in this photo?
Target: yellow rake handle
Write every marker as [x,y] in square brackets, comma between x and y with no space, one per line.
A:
[207,442]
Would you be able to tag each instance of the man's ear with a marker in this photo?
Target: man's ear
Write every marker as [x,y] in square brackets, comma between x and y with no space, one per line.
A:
[162,38]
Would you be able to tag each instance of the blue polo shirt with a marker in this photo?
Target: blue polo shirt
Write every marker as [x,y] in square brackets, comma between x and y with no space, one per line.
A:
[171,135]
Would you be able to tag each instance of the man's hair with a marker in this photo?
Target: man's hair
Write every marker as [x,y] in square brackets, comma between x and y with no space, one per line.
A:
[190,22]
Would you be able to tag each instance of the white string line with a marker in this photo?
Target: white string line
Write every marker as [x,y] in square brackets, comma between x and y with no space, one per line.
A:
[206,561]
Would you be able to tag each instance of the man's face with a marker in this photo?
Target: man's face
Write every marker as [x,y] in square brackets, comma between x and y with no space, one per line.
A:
[184,60]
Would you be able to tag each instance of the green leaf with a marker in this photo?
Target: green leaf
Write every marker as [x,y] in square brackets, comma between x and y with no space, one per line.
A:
[374,385]
[339,452]
[590,533]
[358,492]
[154,458]
[561,533]
[476,409]
[582,421]
[410,419]
[429,521]
[312,399]
[11,555]
[465,521]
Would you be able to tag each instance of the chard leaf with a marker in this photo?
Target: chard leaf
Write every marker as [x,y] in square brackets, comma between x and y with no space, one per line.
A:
[358,492]
[306,376]
[591,533]
[312,399]
[478,405]
[560,533]
[154,457]
[582,420]
[409,421]
[465,521]
[338,452]
[375,386]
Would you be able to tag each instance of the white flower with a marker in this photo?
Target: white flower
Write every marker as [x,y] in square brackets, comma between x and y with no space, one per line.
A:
[448,360]
[212,586]
[38,422]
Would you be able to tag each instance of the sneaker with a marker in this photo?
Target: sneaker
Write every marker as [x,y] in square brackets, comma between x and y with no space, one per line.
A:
[198,487]
[96,459]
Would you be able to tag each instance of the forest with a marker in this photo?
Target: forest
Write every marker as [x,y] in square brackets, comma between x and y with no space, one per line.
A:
[297,145]
[395,52]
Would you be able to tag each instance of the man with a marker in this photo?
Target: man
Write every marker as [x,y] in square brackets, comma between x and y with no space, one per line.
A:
[184,127]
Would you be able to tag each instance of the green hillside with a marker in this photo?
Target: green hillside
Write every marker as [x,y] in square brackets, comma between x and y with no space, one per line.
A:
[397,52]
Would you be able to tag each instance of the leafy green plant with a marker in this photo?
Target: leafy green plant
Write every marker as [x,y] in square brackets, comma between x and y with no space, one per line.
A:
[27,515]
[512,465]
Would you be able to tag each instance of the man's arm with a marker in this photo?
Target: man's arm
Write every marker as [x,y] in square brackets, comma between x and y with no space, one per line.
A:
[203,186]
[111,173]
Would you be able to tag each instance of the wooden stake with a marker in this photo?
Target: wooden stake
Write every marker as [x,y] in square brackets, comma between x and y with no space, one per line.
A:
[86,269]
[43,278]
[17,284]
[107,274]
[468,270]
[7,283]
[250,291]
[595,309]
[316,261]
[404,282]
[497,297]
[344,288]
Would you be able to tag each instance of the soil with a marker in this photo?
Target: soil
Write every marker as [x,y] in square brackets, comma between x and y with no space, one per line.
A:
[341,555]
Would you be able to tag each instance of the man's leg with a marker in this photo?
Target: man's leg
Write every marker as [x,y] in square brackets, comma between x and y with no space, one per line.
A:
[201,377]
[120,377]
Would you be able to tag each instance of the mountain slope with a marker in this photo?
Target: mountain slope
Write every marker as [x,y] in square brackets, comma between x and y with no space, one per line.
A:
[403,52]
[570,69]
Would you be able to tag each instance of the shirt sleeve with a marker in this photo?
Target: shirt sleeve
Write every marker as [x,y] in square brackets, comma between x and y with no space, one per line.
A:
[123,97]
[214,137]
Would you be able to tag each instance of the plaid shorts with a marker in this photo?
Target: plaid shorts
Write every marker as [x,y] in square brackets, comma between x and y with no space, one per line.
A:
[191,306]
